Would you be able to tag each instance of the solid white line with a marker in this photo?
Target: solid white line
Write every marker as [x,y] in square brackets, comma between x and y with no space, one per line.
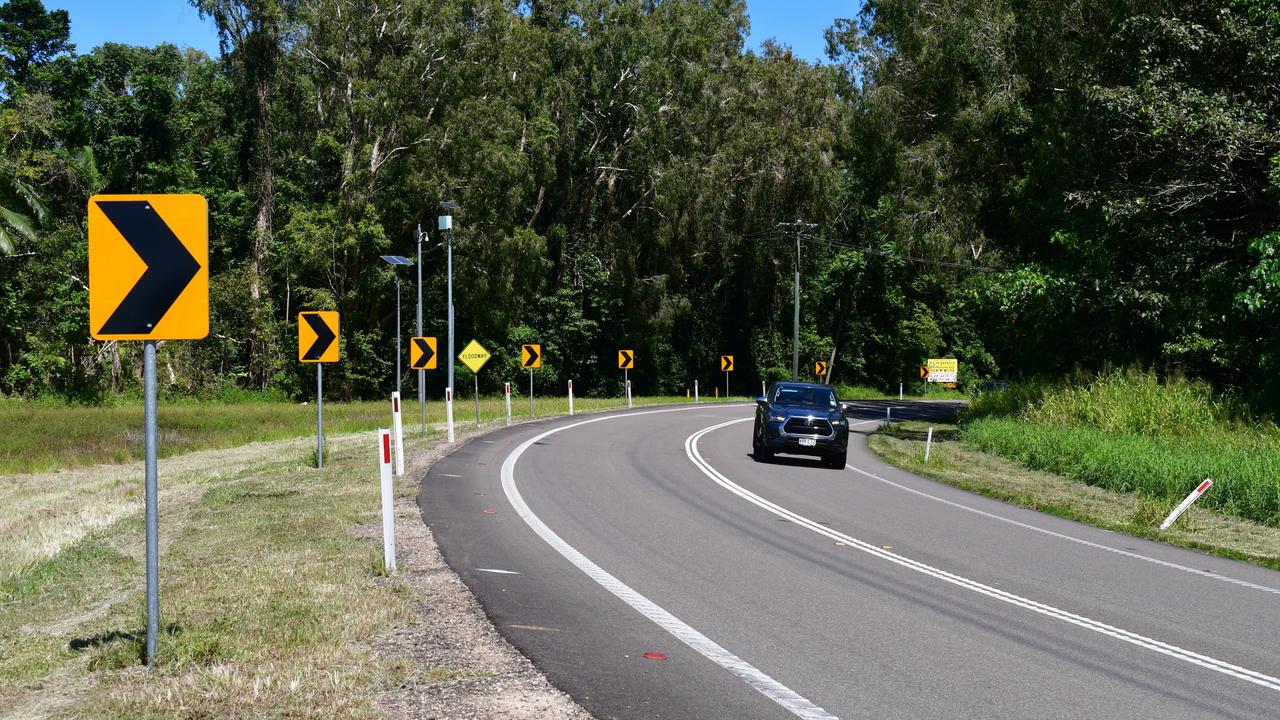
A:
[1257,678]
[1069,538]
[497,571]
[449,475]
[774,690]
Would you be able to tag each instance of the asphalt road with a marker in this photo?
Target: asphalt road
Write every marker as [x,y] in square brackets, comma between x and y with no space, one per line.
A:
[783,590]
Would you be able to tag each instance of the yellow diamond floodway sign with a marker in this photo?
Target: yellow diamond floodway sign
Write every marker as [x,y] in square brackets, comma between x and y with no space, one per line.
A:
[148,267]
[474,356]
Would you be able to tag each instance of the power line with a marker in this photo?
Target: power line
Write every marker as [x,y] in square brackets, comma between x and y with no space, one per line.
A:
[881,253]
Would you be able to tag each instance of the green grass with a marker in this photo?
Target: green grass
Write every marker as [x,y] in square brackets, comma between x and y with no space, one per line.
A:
[1131,432]
[954,461]
[39,436]
[1245,470]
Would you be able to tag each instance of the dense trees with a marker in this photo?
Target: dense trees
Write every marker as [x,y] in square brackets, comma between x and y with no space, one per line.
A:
[1029,186]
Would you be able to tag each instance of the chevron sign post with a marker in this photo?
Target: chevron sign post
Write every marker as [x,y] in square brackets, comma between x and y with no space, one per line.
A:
[149,281]
[318,343]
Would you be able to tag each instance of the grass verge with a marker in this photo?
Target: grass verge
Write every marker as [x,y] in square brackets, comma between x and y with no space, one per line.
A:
[271,584]
[952,461]
[36,437]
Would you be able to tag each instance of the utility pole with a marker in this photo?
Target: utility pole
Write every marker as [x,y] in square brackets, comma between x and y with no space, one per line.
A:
[795,327]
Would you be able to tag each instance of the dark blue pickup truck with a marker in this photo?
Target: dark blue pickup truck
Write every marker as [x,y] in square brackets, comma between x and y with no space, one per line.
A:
[801,419]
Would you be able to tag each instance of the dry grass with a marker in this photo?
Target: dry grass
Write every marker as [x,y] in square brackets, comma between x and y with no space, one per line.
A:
[272,589]
[902,444]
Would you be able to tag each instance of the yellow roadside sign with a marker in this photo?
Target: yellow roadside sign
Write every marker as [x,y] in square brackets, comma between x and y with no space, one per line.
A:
[474,356]
[626,359]
[422,353]
[318,337]
[819,367]
[726,363]
[942,370]
[531,356]
[148,267]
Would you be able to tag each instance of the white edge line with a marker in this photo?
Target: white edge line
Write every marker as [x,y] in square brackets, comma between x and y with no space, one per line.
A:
[708,648]
[1257,678]
[1070,538]
[497,571]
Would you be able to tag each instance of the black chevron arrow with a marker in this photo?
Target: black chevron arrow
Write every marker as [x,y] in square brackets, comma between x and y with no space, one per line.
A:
[427,353]
[324,336]
[533,355]
[170,267]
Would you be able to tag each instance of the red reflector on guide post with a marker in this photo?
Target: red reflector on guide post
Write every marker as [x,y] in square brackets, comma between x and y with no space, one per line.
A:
[1204,486]
[386,448]
[395,404]
[655,656]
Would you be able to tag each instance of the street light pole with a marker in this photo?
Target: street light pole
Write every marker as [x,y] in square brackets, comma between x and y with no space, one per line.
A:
[397,332]
[445,225]
[422,374]
[394,261]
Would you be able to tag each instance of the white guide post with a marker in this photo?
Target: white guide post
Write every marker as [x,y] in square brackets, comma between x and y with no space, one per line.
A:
[628,393]
[398,428]
[1182,507]
[388,501]
[508,394]
[570,398]
[928,443]
[695,391]
[448,411]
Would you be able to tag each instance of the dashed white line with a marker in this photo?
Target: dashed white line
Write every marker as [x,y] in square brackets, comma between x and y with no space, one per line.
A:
[1251,676]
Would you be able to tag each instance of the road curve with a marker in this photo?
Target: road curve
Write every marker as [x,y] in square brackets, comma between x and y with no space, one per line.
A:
[653,569]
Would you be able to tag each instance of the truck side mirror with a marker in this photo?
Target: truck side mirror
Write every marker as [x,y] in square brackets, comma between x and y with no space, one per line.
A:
[762,401]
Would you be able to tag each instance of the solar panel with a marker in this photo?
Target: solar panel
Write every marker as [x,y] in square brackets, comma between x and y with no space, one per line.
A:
[397,260]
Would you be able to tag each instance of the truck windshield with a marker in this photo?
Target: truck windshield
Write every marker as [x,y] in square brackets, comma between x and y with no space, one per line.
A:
[806,397]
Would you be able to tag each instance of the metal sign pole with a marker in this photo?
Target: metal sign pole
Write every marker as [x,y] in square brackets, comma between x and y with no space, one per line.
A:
[476,377]
[531,394]
[422,374]
[319,415]
[152,494]
[726,387]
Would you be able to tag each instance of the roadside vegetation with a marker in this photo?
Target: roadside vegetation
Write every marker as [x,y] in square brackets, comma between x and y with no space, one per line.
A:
[38,436]
[1132,432]
[268,599]
[273,593]
[1119,450]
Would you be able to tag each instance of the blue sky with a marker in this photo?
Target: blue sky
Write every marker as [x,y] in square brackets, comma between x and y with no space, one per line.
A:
[798,23]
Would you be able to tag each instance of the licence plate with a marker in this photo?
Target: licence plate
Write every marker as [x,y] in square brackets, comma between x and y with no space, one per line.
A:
[808,442]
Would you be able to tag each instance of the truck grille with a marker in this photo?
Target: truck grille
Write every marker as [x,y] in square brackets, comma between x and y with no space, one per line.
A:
[807,426]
